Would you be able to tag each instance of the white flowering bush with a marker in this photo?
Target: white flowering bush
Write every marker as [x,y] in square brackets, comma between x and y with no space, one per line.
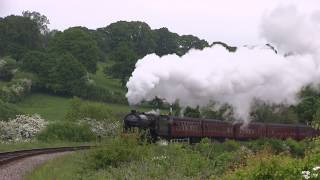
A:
[314,173]
[102,128]
[21,129]
[16,90]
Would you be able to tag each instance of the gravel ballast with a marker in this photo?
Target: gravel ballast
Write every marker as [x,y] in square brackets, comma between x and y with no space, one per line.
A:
[18,169]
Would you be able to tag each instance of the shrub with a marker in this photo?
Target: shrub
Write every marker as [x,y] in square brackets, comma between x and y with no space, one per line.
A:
[22,128]
[83,109]
[8,68]
[66,132]
[296,148]
[97,93]
[275,145]
[16,90]
[7,111]
[102,128]
[114,152]
[267,166]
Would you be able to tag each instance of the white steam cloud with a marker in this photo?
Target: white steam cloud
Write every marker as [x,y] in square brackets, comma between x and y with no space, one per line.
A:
[215,74]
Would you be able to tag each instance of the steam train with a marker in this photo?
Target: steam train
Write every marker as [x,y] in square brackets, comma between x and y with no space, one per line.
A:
[171,127]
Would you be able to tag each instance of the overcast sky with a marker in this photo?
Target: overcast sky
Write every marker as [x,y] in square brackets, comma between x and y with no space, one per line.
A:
[231,21]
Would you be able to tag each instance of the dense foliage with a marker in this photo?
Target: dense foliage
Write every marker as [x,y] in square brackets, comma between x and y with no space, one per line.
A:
[18,35]
[79,43]
[7,111]
[128,158]
[8,67]
[126,42]
[15,90]
[70,132]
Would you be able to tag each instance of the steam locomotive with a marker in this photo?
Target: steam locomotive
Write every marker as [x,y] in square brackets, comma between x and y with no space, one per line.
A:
[171,127]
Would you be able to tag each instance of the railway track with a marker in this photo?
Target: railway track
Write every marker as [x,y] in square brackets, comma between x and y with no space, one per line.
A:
[7,157]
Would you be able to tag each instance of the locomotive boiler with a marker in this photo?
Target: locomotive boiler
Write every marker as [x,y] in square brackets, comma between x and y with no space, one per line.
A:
[171,127]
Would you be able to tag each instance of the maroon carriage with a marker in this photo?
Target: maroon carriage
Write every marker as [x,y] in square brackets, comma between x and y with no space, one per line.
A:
[185,127]
[217,129]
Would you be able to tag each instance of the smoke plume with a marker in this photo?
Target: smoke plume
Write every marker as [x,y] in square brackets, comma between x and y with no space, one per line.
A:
[215,74]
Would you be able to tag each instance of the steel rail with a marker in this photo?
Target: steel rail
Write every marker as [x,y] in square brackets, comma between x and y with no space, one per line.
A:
[7,157]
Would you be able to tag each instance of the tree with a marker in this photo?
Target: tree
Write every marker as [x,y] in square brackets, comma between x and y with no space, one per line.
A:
[17,36]
[80,44]
[166,42]
[136,35]
[41,20]
[8,67]
[58,73]
[220,112]
[229,48]
[34,62]
[125,60]
[192,112]
[263,112]
[307,106]
[316,116]
[187,42]
[66,75]
[7,111]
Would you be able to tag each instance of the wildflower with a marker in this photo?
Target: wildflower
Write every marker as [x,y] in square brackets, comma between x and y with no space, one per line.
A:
[162,143]
[316,168]
[314,175]
[159,158]
[306,174]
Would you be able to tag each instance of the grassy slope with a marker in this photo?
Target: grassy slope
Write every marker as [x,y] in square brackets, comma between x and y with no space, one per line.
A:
[49,107]
[55,108]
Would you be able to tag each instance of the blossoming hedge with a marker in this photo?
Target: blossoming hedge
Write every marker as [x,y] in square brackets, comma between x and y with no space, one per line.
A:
[21,129]
[16,90]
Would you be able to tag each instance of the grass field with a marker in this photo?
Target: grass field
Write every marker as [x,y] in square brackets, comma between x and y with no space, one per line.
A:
[52,108]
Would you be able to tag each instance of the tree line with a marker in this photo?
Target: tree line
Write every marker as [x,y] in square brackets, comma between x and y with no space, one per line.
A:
[60,62]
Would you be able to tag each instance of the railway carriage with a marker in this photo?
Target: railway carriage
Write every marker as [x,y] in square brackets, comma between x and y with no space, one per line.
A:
[170,127]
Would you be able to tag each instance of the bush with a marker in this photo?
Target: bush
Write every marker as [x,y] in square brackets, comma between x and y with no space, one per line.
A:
[267,166]
[8,68]
[115,152]
[277,146]
[16,90]
[7,111]
[70,132]
[97,93]
[83,109]
[102,128]
[22,128]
